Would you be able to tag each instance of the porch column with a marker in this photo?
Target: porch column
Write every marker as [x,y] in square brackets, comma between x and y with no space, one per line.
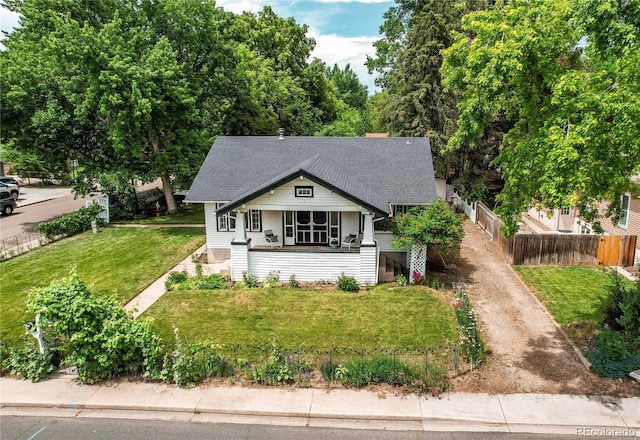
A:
[367,236]
[241,230]
[239,249]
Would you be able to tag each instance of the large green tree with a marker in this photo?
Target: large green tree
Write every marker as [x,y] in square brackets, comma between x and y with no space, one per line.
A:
[409,58]
[136,91]
[573,116]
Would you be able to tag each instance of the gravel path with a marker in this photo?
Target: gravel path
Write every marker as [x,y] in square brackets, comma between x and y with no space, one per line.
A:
[529,352]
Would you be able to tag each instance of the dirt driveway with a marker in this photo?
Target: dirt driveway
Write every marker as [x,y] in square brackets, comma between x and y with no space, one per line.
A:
[529,352]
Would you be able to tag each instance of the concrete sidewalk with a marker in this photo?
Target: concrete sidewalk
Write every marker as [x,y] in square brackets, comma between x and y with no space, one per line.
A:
[64,396]
[148,296]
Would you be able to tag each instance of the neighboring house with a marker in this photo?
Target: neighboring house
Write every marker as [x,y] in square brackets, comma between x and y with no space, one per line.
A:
[558,220]
[308,192]
[569,220]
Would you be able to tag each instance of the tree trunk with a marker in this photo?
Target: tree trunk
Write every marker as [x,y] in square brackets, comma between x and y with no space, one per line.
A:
[172,206]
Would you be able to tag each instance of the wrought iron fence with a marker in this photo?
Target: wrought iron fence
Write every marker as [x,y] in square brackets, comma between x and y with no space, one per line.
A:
[307,363]
[22,243]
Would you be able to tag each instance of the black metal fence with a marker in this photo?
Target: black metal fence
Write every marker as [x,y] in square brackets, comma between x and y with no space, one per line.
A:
[424,358]
[307,363]
[21,243]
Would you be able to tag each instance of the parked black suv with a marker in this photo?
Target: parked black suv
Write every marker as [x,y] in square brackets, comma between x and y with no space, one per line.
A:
[7,202]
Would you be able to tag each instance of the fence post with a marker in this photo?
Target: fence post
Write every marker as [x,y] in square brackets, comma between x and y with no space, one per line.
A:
[331,359]
[426,362]
[298,367]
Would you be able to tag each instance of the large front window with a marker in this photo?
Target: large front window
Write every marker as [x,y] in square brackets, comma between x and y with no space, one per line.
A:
[227,222]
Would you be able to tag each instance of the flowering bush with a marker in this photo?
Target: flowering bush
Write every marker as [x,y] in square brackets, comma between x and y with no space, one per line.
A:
[272,280]
[471,344]
[385,369]
[436,225]
[424,280]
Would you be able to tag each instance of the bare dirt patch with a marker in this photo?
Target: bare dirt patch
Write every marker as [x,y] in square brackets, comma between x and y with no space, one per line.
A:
[529,353]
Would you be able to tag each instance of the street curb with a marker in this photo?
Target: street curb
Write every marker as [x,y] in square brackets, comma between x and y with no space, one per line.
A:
[22,204]
[429,424]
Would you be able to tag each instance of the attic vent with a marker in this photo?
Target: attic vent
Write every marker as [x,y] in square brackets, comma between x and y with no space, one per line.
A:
[280,133]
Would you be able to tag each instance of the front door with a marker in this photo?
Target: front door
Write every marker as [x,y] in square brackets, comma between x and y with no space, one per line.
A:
[312,227]
[289,228]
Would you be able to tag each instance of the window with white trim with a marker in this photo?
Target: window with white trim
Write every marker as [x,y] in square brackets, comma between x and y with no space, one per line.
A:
[304,191]
[565,211]
[226,222]
[624,210]
[254,220]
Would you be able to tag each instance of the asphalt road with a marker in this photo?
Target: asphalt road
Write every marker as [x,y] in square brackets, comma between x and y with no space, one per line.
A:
[49,428]
[36,205]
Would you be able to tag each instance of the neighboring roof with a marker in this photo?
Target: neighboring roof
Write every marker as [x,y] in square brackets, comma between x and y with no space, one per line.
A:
[371,171]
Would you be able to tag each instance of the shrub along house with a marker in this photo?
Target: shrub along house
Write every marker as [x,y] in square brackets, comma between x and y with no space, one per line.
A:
[311,206]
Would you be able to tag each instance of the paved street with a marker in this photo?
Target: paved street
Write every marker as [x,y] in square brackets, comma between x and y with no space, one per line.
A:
[50,428]
[36,205]
[39,204]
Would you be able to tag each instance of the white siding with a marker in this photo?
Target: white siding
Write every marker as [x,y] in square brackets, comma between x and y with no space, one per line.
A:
[306,266]
[368,265]
[270,220]
[283,198]
[210,223]
[239,261]
[350,223]
[557,221]
[384,239]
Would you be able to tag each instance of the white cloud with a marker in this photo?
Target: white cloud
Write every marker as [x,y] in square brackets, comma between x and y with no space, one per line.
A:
[239,6]
[352,1]
[334,49]
[8,20]
[330,48]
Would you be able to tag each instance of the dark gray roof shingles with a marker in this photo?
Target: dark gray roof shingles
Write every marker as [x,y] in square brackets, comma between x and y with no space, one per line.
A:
[376,170]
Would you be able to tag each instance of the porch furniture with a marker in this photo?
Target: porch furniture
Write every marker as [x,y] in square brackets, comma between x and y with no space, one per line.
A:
[272,240]
[352,241]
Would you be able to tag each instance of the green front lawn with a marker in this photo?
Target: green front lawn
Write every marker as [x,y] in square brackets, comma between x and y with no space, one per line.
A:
[385,317]
[187,215]
[570,293]
[119,262]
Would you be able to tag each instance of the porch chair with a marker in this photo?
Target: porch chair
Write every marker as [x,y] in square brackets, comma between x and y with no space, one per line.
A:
[272,240]
[351,241]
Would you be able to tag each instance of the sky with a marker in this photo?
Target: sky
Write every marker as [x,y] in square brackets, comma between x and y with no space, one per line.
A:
[344,30]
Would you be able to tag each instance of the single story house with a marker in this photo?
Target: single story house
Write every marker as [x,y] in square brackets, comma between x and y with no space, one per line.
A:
[311,207]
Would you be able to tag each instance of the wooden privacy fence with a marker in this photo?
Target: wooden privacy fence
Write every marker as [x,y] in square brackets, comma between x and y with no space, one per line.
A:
[560,249]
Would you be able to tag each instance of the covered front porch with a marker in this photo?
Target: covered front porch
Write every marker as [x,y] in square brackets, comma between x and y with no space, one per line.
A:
[318,260]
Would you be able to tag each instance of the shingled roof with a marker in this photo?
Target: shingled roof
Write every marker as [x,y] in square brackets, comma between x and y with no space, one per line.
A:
[374,172]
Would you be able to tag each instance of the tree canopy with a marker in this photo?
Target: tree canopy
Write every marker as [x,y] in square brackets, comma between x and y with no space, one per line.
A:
[435,225]
[139,90]
[409,59]
[563,74]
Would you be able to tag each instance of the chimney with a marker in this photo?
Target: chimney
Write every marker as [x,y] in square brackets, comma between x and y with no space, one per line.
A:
[280,133]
